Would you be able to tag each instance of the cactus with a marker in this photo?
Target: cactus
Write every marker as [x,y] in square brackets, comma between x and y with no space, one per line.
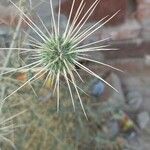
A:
[59,52]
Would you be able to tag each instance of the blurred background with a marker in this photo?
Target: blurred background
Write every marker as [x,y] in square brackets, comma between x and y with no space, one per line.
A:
[129,32]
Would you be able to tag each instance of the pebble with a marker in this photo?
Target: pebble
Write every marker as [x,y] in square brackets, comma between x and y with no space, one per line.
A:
[132,137]
[98,89]
[143,119]
[113,128]
[134,100]
[132,83]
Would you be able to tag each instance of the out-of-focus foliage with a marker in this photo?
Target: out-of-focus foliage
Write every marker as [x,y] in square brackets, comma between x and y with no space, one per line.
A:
[67,130]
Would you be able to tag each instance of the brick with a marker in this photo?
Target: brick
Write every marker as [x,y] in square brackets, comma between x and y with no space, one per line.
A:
[147,60]
[146,32]
[129,30]
[143,14]
[143,1]
[143,11]
[104,8]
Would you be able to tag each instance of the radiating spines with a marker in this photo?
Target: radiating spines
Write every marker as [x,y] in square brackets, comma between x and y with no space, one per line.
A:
[59,52]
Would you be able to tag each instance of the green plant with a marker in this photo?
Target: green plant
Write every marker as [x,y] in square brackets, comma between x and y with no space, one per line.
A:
[7,128]
[55,56]
[46,129]
[59,53]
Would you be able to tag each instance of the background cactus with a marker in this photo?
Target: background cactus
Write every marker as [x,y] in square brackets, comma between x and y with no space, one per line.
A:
[54,58]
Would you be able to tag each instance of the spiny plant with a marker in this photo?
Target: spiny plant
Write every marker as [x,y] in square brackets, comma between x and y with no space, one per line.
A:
[7,128]
[59,52]
[65,131]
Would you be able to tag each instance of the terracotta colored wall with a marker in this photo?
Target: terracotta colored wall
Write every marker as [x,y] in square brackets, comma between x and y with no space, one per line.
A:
[105,7]
[143,10]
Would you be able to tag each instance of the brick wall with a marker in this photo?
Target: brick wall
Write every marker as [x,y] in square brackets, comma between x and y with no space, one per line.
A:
[132,24]
[105,7]
[133,21]
[143,10]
